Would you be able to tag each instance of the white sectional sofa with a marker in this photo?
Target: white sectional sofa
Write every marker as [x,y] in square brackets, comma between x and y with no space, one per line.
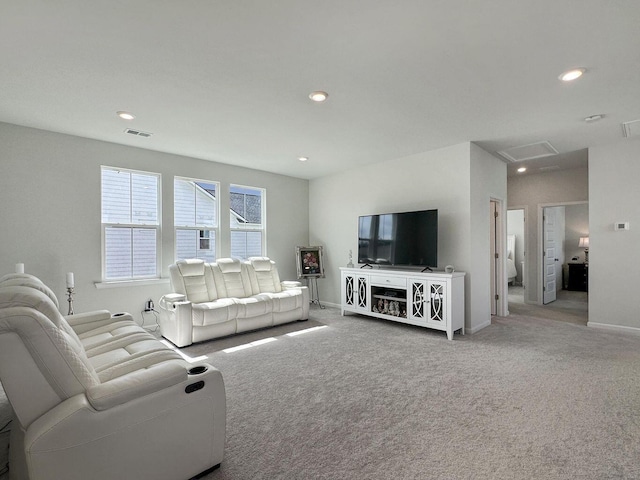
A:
[96,396]
[212,300]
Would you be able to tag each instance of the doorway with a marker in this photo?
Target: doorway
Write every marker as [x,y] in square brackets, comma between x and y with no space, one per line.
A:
[561,256]
[570,225]
[516,252]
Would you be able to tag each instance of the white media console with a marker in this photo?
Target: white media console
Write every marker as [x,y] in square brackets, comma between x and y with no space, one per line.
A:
[432,300]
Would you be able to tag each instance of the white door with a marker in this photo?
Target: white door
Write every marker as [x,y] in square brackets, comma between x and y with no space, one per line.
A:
[550,255]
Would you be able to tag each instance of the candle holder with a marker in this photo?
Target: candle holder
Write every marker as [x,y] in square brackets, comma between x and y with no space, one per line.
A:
[70,292]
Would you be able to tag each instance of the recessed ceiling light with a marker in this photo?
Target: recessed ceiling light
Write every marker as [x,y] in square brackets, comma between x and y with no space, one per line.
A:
[126,115]
[303,159]
[318,96]
[572,74]
[522,169]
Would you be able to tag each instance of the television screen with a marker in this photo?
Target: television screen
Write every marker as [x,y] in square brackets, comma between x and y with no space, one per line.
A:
[407,238]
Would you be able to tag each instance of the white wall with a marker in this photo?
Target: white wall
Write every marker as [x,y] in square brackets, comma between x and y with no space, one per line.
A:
[50,217]
[488,181]
[533,190]
[614,256]
[438,179]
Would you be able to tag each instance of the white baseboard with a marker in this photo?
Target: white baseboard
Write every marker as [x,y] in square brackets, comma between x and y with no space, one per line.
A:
[476,329]
[329,304]
[617,328]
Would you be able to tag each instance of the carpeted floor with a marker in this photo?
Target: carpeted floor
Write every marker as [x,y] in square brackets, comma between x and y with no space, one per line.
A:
[569,306]
[525,398]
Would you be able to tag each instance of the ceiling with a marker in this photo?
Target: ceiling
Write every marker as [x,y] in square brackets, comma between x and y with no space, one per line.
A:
[228,81]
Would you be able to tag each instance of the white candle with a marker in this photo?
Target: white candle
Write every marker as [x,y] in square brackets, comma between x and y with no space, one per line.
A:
[70,280]
[19,267]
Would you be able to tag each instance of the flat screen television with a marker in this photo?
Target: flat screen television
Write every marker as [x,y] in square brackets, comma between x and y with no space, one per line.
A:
[406,238]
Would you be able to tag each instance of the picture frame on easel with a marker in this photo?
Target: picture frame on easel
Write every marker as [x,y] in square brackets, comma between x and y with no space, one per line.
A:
[309,262]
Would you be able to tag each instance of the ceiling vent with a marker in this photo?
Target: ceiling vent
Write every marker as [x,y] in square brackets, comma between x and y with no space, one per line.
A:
[528,152]
[631,129]
[549,168]
[138,133]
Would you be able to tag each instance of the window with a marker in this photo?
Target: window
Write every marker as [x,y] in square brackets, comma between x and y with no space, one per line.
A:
[247,221]
[130,224]
[195,209]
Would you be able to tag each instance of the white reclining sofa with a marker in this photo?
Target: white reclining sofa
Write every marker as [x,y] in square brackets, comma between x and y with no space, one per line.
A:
[212,300]
[97,397]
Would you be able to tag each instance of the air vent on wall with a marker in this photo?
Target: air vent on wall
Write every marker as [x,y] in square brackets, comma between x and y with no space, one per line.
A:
[138,133]
[631,129]
[528,152]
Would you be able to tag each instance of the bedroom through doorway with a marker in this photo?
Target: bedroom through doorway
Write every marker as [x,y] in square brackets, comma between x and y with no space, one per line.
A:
[516,255]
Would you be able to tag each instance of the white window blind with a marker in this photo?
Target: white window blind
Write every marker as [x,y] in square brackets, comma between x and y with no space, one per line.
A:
[195,218]
[247,221]
[130,224]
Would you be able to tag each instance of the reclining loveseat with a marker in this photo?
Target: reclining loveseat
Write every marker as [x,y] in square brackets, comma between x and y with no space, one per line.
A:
[212,300]
[97,397]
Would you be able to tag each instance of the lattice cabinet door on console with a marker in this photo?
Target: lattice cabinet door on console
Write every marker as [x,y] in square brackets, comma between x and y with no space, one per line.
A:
[418,300]
[349,290]
[362,285]
[355,292]
[428,301]
[436,302]
[433,300]
[436,292]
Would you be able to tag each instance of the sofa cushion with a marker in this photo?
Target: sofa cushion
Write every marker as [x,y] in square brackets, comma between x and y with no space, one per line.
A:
[286,300]
[254,306]
[211,313]
[264,275]
[26,280]
[131,357]
[261,264]
[190,279]
[233,278]
[266,282]
[28,295]
[193,267]
[229,265]
[108,334]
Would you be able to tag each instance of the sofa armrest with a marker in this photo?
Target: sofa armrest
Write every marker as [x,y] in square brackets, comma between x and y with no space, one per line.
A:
[290,284]
[87,317]
[83,322]
[168,302]
[176,320]
[135,384]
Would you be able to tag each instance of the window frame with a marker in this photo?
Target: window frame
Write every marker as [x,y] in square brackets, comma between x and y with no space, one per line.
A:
[250,227]
[132,226]
[197,228]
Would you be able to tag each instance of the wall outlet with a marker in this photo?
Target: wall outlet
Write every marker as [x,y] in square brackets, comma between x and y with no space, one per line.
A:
[148,307]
